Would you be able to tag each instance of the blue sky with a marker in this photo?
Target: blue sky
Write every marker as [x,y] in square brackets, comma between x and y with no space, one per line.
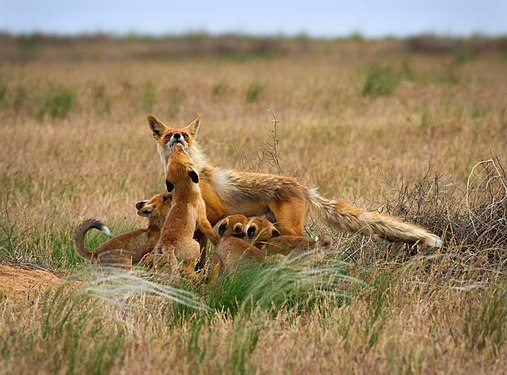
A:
[320,18]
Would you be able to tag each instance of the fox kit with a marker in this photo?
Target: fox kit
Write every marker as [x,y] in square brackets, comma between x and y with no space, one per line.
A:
[232,248]
[228,192]
[176,248]
[128,248]
[264,235]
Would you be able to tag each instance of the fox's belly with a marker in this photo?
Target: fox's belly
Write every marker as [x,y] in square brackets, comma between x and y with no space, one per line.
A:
[248,208]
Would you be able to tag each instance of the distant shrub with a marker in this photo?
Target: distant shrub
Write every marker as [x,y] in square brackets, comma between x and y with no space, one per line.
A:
[3,90]
[220,90]
[176,96]
[19,98]
[425,115]
[381,81]
[254,92]
[148,95]
[57,103]
[102,102]
[3,93]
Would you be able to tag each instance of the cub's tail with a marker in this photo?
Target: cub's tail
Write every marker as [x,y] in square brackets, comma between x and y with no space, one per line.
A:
[80,233]
[345,217]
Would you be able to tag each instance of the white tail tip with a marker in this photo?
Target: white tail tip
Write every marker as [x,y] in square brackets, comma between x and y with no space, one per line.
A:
[435,241]
[106,231]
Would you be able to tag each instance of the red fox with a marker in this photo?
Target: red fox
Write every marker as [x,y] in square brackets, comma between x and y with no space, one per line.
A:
[232,249]
[176,249]
[263,233]
[128,248]
[228,192]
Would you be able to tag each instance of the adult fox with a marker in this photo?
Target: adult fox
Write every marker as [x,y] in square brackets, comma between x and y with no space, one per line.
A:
[228,191]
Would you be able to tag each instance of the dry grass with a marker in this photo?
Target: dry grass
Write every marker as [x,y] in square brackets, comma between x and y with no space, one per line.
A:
[74,144]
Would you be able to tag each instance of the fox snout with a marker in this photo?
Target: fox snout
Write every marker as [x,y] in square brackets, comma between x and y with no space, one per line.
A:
[177,138]
[145,211]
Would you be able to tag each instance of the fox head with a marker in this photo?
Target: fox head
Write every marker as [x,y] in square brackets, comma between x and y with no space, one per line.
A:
[156,208]
[232,225]
[157,205]
[180,168]
[259,229]
[166,137]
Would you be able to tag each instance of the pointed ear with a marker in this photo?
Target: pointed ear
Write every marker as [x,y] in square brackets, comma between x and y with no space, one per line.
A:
[275,232]
[251,232]
[222,227]
[193,126]
[157,127]
[141,204]
[170,186]
[194,176]
[237,229]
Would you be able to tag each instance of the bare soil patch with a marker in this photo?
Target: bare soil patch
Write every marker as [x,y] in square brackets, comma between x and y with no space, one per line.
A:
[17,284]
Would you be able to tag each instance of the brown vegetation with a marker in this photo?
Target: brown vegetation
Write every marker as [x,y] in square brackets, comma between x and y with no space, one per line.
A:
[411,133]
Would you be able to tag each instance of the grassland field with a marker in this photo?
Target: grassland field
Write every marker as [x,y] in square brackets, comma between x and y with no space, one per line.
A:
[418,133]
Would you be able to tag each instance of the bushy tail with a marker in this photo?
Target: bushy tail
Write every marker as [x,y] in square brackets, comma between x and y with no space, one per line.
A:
[345,217]
[80,233]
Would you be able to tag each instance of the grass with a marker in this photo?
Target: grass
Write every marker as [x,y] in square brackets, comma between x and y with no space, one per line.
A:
[254,92]
[102,101]
[3,90]
[380,81]
[74,144]
[57,103]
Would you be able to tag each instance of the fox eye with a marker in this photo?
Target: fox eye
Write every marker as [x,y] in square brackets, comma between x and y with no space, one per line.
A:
[185,135]
[168,136]
[164,198]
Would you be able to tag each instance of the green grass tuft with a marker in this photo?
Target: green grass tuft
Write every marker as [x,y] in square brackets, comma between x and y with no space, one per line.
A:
[294,283]
[220,90]
[485,326]
[380,81]
[57,103]
[102,101]
[254,92]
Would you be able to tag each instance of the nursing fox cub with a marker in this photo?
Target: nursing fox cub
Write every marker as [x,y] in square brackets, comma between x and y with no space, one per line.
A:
[227,192]
[232,248]
[262,233]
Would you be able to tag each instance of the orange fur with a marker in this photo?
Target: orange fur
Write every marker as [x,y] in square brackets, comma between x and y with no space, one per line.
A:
[232,249]
[264,235]
[128,248]
[176,248]
[256,194]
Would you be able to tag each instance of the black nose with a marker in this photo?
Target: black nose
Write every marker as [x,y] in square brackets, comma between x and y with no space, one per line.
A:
[177,136]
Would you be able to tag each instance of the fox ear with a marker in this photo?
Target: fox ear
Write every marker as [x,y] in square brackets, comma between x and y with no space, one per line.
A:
[194,176]
[222,227]
[140,204]
[250,232]
[275,232]
[193,126]
[170,186]
[156,126]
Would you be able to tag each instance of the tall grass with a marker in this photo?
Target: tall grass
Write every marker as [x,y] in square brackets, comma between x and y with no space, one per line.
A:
[254,92]
[57,103]
[102,101]
[428,150]
[380,81]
